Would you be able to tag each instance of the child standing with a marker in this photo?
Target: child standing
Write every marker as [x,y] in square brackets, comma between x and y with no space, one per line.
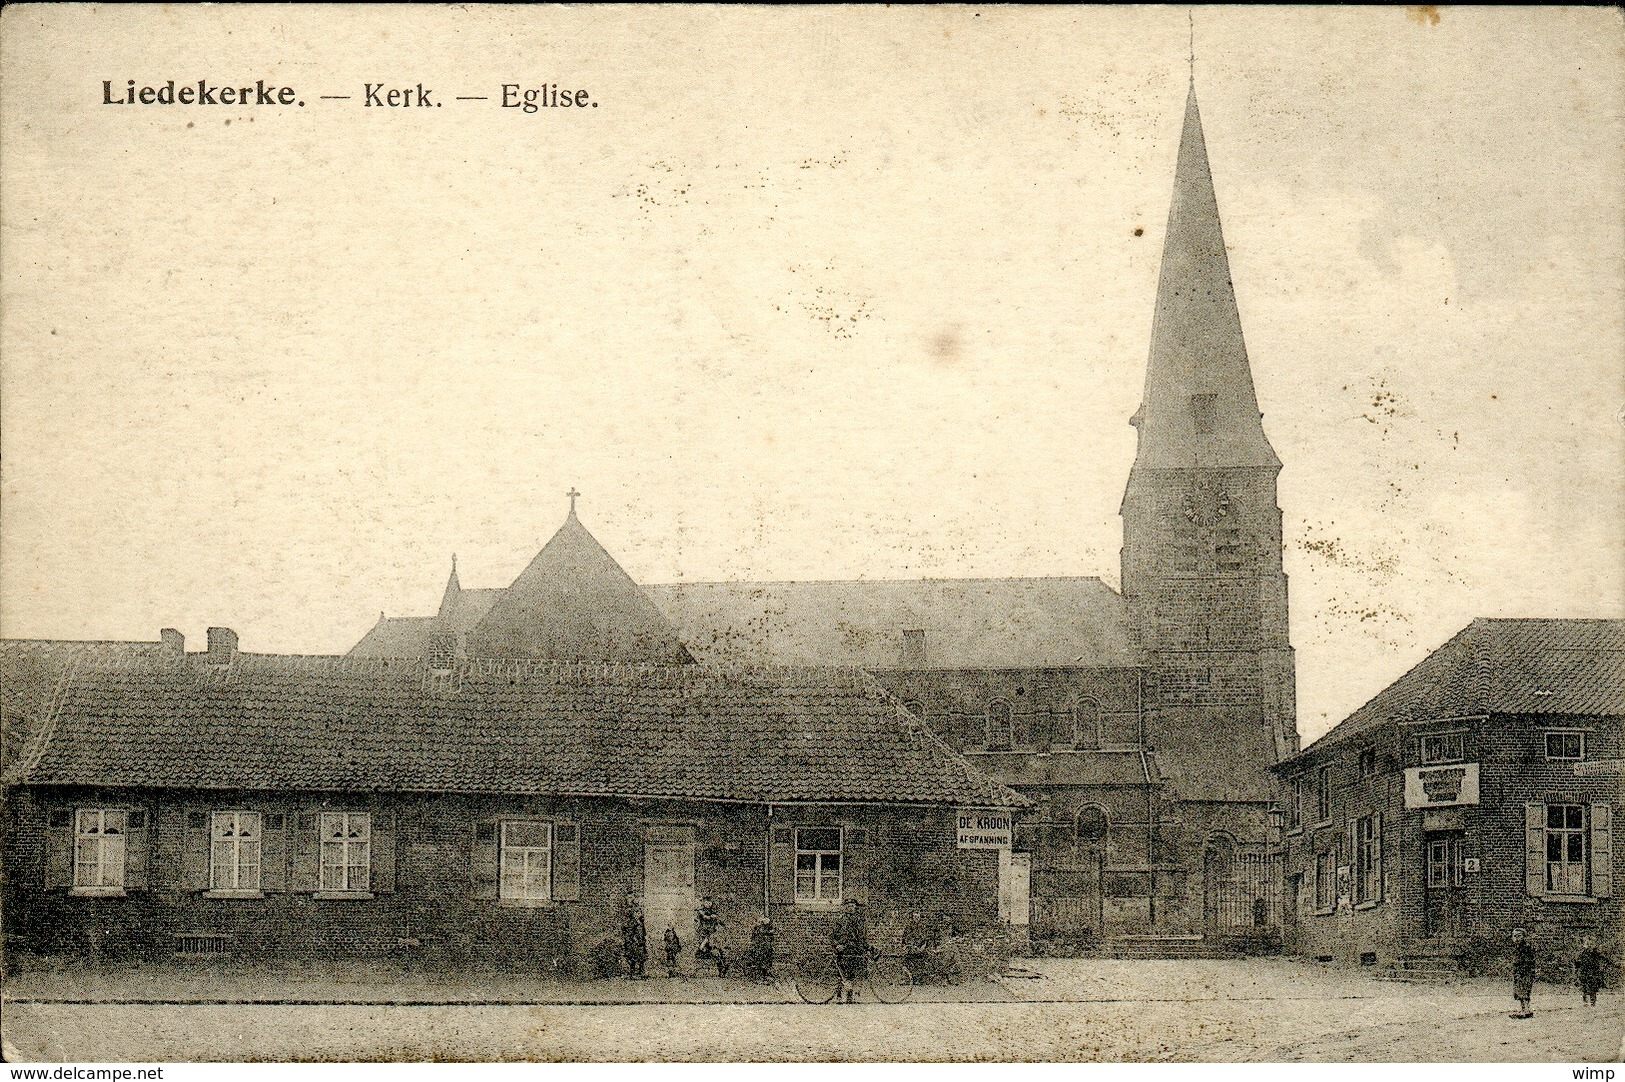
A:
[1523,973]
[1588,967]
[674,947]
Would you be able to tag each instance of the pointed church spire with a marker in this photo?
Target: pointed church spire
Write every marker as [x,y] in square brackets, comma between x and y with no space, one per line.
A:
[454,590]
[1199,407]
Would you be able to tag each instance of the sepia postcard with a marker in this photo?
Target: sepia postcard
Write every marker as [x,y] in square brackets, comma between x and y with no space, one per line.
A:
[862,534]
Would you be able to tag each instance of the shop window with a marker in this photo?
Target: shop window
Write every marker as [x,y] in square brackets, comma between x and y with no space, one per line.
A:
[525,870]
[234,850]
[1443,748]
[346,839]
[1565,747]
[98,850]
[818,866]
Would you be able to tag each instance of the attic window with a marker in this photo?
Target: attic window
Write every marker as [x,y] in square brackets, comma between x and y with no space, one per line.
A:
[1443,748]
[1204,413]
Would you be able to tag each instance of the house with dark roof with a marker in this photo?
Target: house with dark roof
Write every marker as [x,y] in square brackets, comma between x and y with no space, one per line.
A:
[499,809]
[1142,723]
[1475,794]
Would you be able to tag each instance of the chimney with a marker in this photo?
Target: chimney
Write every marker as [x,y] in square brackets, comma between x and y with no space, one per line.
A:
[171,644]
[913,653]
[222,646]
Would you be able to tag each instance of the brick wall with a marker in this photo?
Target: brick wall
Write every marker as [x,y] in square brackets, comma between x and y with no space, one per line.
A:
[907,860]
[1513,771]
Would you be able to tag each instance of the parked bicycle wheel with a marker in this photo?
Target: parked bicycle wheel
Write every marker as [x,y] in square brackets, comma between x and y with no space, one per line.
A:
[817,980]
[890,980]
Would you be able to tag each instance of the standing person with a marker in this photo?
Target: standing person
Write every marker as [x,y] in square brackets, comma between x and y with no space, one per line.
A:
[1588,967]
[634,939]
[674,947]
[708,926]
[850,938]
[759,960]
[1523,973]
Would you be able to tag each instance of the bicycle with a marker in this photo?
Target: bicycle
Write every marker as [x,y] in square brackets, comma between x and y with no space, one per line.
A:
[818,980]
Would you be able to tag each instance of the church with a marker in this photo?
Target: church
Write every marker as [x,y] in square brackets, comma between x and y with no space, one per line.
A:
[1142,725]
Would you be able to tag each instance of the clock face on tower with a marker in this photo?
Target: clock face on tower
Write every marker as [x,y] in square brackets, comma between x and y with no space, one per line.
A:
[1207,503]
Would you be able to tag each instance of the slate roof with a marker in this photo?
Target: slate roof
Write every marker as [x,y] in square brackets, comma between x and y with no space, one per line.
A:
[1197,348]
[575,603]
[968,623]
[330,724]
[395,636]
[1550,667]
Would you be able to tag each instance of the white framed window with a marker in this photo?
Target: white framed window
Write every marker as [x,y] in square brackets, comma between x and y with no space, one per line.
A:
[234,850]
[1566,864]
[98,849]
[526,861]
[818,866]
[1444,748]
[1323,795]
[346,839]
[1565,746]
[1294,806]
[1326,882]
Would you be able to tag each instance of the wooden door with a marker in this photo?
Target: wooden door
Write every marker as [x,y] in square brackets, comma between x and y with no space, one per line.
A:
[1445,886]
[668,889]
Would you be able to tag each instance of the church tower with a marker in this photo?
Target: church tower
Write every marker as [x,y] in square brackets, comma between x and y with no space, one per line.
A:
[1201,558]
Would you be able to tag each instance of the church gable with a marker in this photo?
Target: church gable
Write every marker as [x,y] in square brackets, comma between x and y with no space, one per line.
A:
[575,603]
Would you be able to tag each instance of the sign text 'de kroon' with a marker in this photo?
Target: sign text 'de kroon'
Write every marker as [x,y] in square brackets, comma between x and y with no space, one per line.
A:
[984,830]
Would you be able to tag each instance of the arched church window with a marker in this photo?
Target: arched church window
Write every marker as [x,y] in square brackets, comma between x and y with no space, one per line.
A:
[1086,724]
[999,726]
[1092,825]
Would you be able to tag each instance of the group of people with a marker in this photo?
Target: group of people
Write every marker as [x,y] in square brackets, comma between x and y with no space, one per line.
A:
[709,949]
[1589,966]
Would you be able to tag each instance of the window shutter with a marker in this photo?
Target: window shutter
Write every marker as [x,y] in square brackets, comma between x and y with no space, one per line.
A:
[195,852]
[383,853]
[782,866]
[1377,870]
[1534,848]
[137,849]
[1602,851]
[273,852]
[306,870]
[566,862]
[59,847]
[483,860]
[855,864]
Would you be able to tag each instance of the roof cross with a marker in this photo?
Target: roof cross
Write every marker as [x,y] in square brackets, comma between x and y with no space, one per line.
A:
[572,494]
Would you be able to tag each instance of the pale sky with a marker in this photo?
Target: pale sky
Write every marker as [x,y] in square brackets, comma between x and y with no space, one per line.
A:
[813,293]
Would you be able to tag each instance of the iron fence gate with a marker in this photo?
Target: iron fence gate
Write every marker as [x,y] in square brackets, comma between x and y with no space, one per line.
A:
[1243,893]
